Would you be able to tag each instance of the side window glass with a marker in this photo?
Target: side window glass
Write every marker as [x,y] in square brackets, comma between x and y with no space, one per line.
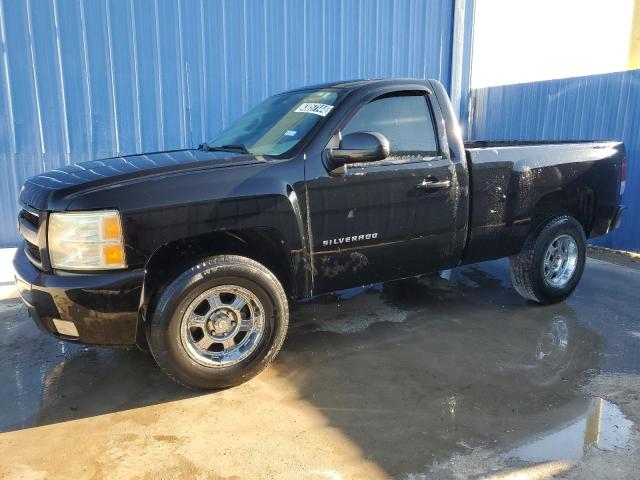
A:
[404,120]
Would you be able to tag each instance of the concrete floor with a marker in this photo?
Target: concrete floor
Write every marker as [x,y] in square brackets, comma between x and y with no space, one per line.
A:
[449,376]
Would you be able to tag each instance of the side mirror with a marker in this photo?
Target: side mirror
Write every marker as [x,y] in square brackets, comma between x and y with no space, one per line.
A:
[360,147]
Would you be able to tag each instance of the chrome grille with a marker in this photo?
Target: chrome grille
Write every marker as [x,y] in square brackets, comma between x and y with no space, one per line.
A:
[31,217]
[29,226]
[33,250]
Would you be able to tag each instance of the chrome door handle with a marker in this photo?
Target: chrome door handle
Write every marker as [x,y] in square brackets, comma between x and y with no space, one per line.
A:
[432,183]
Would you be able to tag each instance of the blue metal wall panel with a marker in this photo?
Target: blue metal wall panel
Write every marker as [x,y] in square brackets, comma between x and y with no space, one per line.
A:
[84,79]
[467,57]
[603,107]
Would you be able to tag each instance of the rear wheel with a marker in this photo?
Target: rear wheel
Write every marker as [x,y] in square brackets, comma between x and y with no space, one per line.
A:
[551,263]
[219,323]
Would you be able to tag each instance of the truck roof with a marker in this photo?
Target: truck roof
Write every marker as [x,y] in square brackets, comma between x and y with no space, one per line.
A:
[358,83]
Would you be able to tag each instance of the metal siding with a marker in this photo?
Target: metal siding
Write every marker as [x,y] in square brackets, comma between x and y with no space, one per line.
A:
[602,107]
[81,80]
[467,56]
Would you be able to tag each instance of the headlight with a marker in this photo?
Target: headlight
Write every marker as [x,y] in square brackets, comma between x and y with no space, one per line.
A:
[86,240]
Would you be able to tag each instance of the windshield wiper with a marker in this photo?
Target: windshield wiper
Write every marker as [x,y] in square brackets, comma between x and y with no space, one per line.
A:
[235,147]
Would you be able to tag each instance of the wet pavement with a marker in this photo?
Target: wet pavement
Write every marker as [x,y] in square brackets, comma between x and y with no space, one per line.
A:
[447,376]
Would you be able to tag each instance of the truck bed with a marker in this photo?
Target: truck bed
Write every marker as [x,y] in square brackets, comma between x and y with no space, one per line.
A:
[515,183]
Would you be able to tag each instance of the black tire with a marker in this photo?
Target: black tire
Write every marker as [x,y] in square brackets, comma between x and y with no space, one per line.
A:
[164,331]
[527,267]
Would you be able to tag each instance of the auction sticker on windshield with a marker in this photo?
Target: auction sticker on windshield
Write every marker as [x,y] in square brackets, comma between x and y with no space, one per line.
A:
[321,109]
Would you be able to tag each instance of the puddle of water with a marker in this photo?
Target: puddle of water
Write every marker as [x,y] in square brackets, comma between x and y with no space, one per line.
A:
[603,426]
[352,311]
[358,320]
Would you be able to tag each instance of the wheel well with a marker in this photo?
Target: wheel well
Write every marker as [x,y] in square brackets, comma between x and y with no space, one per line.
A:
[580,203]
[264,245]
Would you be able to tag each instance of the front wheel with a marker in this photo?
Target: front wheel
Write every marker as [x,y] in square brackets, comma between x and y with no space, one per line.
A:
[219,323]
[551,263]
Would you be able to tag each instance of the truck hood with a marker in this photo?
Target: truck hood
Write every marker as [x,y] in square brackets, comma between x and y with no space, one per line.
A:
[53,190]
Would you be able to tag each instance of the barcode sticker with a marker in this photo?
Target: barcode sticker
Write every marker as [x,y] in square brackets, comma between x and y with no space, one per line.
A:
[321,109]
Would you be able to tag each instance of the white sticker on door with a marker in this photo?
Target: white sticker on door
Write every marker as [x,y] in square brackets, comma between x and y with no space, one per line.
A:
[321,109]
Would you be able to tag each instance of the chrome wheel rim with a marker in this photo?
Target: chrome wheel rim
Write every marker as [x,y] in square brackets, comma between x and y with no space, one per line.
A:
[560,261]
[222,326]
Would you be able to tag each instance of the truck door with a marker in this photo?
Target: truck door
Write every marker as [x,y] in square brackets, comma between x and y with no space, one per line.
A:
[370,222]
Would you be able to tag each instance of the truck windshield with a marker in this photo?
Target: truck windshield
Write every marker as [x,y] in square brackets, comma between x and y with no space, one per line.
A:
[278,124]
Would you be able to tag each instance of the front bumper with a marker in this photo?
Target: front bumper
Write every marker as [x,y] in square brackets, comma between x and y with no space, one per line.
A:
[103,307]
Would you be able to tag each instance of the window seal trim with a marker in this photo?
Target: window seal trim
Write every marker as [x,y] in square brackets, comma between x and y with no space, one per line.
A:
[379,164]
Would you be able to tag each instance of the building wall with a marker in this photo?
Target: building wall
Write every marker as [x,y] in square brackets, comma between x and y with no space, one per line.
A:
[81,80]
[603,107]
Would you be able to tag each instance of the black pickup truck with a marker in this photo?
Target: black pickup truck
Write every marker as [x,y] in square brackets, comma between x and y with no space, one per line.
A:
[196,253]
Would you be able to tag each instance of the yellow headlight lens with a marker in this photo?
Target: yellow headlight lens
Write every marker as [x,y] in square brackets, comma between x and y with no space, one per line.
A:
[113,254]
[86,240]
[111,228]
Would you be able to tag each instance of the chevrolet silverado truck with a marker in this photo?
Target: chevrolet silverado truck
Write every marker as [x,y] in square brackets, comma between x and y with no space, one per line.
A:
[197,253]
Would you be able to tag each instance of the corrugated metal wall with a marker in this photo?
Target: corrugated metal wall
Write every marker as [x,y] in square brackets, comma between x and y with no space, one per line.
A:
[603,107]
[87,79]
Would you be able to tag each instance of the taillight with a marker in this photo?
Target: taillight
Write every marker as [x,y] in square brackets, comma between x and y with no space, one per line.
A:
[623,176]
